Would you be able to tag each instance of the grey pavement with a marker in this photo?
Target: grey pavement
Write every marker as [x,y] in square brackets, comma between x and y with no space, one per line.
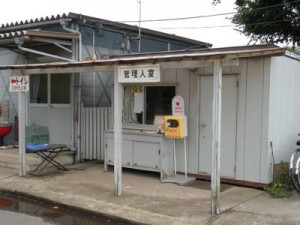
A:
[146,200]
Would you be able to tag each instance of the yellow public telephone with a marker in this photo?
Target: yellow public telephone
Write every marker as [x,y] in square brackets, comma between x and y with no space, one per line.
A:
[175,126]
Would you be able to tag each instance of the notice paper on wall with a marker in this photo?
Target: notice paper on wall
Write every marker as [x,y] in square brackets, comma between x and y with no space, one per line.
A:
[138,102]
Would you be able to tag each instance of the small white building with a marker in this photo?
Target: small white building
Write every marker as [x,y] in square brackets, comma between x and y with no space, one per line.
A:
[260,110]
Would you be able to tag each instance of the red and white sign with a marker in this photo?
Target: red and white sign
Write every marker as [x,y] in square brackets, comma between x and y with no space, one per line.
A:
[178,106]
[19,83]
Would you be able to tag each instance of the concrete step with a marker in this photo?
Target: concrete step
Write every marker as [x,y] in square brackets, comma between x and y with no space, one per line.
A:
[10,158]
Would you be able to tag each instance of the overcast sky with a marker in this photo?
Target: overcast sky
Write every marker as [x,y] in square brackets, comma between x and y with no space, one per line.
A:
[207,29]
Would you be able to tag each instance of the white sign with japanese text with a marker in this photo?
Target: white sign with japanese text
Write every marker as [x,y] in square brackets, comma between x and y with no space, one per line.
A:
[19,83]
[178,106]
[139,74]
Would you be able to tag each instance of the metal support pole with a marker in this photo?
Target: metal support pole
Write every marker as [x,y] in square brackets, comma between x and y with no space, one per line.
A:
[216,137]
[185,163]
[118,105]
[140,20]
[174,156]
[44,54]
[22,147]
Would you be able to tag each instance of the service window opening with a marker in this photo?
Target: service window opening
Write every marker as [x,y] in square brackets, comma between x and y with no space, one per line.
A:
[142,103]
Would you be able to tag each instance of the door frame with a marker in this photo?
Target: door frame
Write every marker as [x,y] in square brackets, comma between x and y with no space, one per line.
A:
[50,106]
[235,127]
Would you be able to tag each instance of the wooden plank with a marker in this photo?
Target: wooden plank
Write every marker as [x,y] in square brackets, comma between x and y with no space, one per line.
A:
[216,138]
[118,96]
[22,123]
[227,180]
[241,118]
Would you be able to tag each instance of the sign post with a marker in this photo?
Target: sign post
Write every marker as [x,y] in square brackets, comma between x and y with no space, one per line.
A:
[20,84]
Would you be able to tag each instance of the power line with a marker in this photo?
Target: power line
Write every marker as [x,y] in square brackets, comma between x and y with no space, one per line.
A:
[222,26]
[180,18]
[203,16]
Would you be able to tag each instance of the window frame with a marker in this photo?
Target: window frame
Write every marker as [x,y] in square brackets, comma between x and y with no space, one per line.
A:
[144,126]
[49,90]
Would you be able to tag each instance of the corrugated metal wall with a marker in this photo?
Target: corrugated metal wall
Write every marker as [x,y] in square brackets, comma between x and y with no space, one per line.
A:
[94,121]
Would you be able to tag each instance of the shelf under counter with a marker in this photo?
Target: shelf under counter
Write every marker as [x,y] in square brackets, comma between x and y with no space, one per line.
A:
[142,150]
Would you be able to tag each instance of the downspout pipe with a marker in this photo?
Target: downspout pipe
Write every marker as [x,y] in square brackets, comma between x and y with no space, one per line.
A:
[64,23]
[43,53]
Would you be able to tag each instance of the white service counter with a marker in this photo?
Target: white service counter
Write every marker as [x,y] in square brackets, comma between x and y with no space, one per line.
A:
[142,150]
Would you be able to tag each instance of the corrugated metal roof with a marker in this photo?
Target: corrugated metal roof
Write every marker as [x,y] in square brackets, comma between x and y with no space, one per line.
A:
[12,34]
[38,33]
[15,29]
[26,27]
[32,21]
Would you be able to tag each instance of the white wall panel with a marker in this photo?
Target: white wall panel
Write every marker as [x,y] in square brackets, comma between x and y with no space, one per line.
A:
[284,106]
[193,124]
[241,115]
[265,155]
[253,119]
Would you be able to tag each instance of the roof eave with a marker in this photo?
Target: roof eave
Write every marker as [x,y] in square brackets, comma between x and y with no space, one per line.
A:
[269,52]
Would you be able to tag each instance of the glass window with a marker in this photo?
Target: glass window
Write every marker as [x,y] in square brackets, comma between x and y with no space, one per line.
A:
[158,102]
[96,89]
[38,88]
[142,103]
[60,88]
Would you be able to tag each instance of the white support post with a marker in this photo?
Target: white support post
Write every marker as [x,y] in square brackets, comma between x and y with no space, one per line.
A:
[22,123]
[185,162]
[118,105]
[216,137]
[174,156]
